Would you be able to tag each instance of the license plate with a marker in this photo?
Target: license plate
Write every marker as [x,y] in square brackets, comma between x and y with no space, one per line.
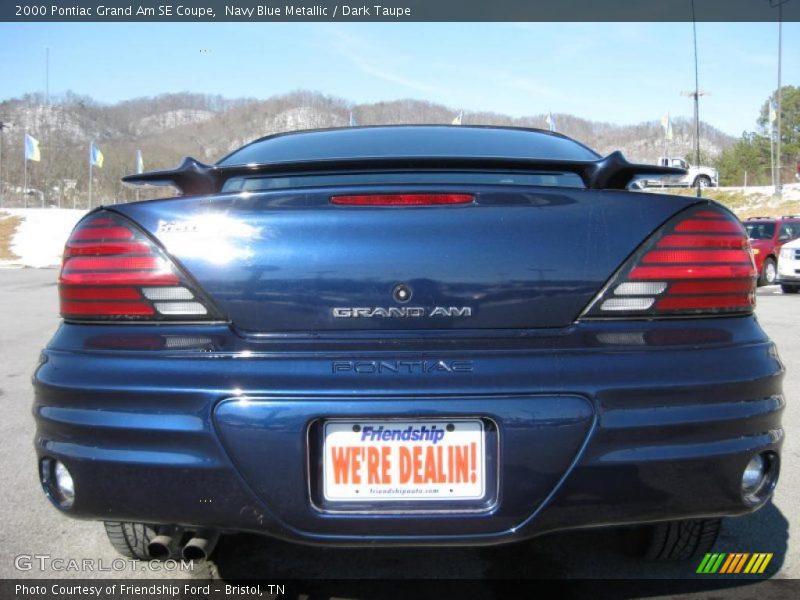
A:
[404,460]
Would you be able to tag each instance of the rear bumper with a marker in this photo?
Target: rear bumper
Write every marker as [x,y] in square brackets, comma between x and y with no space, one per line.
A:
[601,424]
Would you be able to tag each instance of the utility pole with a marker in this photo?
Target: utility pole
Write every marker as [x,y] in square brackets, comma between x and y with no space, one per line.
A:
[47,76]
[3,127]
[91,164]
[772,149]
[25,171]
[46,123]
[695,94]
[778,180]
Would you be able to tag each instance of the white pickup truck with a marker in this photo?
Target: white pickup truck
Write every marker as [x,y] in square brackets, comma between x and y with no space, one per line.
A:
[702,176]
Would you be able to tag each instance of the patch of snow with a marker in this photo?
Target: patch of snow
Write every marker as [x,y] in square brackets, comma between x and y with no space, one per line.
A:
[174,118]
[40,238]
[292,119]
[302,117]
[36,120]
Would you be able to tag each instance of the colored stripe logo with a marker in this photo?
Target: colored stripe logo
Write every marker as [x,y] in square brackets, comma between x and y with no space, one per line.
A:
[734,563]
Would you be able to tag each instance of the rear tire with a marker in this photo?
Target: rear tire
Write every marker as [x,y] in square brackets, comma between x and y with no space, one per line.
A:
[790,289]
[680,540]
[130,539]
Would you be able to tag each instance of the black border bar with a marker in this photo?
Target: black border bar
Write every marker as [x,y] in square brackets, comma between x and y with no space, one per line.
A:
[743,587]
[397,10]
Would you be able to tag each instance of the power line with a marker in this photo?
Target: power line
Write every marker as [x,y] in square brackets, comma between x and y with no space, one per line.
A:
[47,76]
[3,126]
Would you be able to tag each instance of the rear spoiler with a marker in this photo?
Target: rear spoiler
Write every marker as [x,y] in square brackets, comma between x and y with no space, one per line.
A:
[192,177]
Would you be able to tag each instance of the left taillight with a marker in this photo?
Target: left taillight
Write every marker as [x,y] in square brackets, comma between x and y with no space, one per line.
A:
[112,271]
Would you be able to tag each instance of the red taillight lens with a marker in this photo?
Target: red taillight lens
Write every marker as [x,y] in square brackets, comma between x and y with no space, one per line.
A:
[402,199]
[111,270]
[699,263]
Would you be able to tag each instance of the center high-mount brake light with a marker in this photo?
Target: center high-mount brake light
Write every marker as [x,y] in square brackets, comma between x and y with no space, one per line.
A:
[111,270]
[697,264]
[402,199]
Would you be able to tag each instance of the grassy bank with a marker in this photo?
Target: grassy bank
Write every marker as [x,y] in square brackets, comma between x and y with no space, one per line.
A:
[8,225]
[756,203]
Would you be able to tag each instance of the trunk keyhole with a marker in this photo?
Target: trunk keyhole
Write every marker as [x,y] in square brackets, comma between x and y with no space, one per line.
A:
[402,293]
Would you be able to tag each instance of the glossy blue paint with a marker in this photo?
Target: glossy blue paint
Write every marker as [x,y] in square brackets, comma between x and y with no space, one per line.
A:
[668,404]
[281,261]
[533,427]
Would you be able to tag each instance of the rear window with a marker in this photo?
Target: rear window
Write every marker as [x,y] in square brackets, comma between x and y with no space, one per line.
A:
[760,231]
[280,182]
[432,141]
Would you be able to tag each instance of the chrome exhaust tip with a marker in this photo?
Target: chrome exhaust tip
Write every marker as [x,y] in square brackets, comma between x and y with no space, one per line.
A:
[200,546]
[161,547]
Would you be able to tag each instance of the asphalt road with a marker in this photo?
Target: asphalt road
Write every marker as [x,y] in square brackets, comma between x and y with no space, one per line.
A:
[30,526]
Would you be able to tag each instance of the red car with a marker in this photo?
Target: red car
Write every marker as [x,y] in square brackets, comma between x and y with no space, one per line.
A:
[767,235]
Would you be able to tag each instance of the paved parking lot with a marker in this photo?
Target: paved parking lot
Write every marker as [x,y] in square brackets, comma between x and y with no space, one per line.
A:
[30,526]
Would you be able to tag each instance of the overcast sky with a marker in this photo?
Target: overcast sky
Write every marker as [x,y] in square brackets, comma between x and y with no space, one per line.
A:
[618,72]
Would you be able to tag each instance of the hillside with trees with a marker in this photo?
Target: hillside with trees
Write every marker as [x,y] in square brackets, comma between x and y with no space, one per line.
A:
[168,127]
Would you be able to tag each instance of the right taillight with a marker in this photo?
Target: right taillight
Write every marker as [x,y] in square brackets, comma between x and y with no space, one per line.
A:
[112,271]
[699,263]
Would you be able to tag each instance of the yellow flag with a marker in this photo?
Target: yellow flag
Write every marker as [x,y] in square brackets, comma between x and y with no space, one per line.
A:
[95,156]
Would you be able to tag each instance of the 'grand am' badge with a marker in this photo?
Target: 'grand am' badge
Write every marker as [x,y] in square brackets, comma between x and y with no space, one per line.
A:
[401,312]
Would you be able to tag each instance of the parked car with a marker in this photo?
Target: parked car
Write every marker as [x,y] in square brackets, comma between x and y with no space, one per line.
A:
[789,267]
[767,235]
[693,176]
[408,335]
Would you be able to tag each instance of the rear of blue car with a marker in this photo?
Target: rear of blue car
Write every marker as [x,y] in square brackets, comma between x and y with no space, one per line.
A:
[407,356]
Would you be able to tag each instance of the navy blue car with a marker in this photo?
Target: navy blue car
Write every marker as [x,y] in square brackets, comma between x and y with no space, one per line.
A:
[417,335]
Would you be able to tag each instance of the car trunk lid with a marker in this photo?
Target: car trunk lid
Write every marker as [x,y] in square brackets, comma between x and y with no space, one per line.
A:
[293,261]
